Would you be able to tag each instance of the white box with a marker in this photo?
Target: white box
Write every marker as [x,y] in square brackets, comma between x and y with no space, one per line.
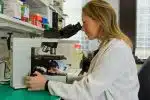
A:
[13,8]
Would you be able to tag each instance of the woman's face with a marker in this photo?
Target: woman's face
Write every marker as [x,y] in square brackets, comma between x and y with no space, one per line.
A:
[90,27]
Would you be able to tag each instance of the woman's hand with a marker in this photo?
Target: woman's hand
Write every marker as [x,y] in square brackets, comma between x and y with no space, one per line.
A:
[35,83]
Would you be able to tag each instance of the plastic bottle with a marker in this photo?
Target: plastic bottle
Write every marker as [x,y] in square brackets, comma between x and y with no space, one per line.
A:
[77,55]
[1,6]
[25,11]
[18,10]
[45,23]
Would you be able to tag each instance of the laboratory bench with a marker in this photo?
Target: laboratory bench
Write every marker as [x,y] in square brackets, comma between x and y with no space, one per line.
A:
[8,93]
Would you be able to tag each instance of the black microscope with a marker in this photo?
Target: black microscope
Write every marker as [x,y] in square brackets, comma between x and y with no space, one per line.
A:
[48,61]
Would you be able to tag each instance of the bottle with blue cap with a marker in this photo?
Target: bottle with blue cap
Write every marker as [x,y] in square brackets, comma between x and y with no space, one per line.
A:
[45,23]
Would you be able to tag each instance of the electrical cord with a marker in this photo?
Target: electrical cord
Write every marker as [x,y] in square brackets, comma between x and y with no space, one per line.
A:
[6,70]
[5,80]
[6,61]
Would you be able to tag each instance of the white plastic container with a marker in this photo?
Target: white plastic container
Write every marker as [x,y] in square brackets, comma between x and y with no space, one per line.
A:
[12,8]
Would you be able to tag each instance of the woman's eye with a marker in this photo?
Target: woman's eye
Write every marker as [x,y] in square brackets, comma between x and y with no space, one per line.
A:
[84,23]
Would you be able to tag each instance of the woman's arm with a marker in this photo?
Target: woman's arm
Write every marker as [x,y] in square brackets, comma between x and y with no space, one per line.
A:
[107,69]
[71,78]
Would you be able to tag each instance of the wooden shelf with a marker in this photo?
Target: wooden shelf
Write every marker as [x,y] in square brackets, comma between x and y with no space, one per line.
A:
[15,25]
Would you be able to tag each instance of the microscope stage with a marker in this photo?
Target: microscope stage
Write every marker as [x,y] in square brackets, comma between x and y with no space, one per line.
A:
[50,57]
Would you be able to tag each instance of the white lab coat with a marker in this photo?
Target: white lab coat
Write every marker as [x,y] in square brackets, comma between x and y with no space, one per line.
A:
[112,76]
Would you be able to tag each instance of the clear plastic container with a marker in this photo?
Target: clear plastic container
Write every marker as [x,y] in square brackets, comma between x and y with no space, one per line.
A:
[12,8]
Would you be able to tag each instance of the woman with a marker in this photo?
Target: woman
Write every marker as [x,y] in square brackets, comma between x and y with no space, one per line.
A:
[112,74]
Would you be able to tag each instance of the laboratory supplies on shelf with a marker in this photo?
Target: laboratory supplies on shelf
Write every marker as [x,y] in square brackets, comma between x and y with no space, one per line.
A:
[12,8]
[36,19]
[25,11]
[45,23]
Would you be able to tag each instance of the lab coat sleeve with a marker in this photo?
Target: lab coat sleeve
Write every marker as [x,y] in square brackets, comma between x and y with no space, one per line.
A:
[107,69]
[71,78]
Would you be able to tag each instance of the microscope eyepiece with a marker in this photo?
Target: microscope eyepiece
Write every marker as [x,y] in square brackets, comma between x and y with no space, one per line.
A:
[70,30]
[65,32]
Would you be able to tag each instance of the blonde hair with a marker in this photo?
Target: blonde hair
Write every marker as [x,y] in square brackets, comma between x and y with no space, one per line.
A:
[104,14]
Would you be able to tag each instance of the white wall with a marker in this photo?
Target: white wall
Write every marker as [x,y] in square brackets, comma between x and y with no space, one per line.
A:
[115,4]
[73,9]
